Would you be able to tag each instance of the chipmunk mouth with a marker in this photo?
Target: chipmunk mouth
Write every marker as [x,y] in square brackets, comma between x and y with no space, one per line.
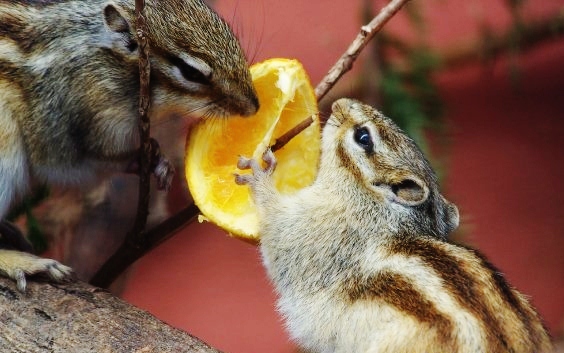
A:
[228,105]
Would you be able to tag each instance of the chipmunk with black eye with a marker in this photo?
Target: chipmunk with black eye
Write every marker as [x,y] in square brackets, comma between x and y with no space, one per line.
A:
[361,261]
[69,92]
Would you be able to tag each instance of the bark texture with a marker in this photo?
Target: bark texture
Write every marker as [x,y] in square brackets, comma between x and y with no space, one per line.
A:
[76,317]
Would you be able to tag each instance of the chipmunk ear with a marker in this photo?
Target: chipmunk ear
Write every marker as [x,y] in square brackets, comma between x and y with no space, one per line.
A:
[451,217]
[118,22]
[410,191]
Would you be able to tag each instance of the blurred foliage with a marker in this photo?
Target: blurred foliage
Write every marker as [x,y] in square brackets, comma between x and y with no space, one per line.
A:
[410,97]
[515,37]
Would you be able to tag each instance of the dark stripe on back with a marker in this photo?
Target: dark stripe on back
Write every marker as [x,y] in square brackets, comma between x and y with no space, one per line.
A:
[16,30]
[8,25]
[460,283]
[508,295]
[10,72]
[7,68]
[397,291]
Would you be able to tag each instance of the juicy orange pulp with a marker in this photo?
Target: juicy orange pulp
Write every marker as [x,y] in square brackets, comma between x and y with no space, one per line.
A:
[286,98]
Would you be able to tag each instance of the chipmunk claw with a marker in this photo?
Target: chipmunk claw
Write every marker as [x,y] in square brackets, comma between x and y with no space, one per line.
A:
[270,160]
[19,277]
[164,173]
[244,163]
[250,163]
[160,166]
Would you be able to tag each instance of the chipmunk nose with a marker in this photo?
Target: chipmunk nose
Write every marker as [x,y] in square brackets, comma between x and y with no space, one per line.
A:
[254,103]
[249,104]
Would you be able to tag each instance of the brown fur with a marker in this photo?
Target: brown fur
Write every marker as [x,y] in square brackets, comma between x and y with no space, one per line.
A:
[69,75]
[361,261]
[396,290]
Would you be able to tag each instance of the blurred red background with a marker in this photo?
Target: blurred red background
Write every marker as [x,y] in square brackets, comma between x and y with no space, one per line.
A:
[505,167]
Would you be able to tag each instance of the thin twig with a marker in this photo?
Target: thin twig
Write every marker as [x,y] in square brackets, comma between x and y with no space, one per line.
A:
[290,134]
[144,125]
[135,239]
[493,44]
[344,64]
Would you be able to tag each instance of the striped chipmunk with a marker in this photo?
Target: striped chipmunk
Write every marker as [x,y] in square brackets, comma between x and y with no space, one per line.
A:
[361,261]
[69,92]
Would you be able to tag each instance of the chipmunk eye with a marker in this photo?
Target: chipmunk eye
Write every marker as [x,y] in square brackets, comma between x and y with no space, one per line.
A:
[189,72]
[363,139]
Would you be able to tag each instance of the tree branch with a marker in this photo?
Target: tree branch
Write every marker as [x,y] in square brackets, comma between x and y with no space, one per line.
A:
[127,254]
[492,44]
[134,242]
[75,317]
[136,236]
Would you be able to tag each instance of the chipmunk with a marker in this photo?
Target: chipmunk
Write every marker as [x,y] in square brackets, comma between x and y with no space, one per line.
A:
[360,258]
[69,91]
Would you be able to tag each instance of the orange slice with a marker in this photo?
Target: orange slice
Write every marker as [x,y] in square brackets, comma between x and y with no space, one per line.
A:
[286,98]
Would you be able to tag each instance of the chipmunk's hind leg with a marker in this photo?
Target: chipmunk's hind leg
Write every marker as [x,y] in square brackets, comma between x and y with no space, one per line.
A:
[14,179]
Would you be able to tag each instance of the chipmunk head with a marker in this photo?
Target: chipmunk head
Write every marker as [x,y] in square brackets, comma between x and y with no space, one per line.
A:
[388,167]
[197,63]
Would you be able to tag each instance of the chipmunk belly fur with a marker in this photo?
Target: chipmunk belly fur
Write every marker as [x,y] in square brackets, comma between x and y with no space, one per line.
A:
[360,259]
[322,278]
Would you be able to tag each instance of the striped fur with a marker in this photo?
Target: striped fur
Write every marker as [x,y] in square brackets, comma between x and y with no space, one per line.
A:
[69,85]
[360,258]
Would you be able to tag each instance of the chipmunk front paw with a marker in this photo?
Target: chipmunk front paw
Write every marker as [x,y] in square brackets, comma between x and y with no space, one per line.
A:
[164,172]
[16,265]
[161,167]
[258,172]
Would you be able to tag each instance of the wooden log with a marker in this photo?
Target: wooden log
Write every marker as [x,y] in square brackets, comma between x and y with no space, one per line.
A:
[76,317]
